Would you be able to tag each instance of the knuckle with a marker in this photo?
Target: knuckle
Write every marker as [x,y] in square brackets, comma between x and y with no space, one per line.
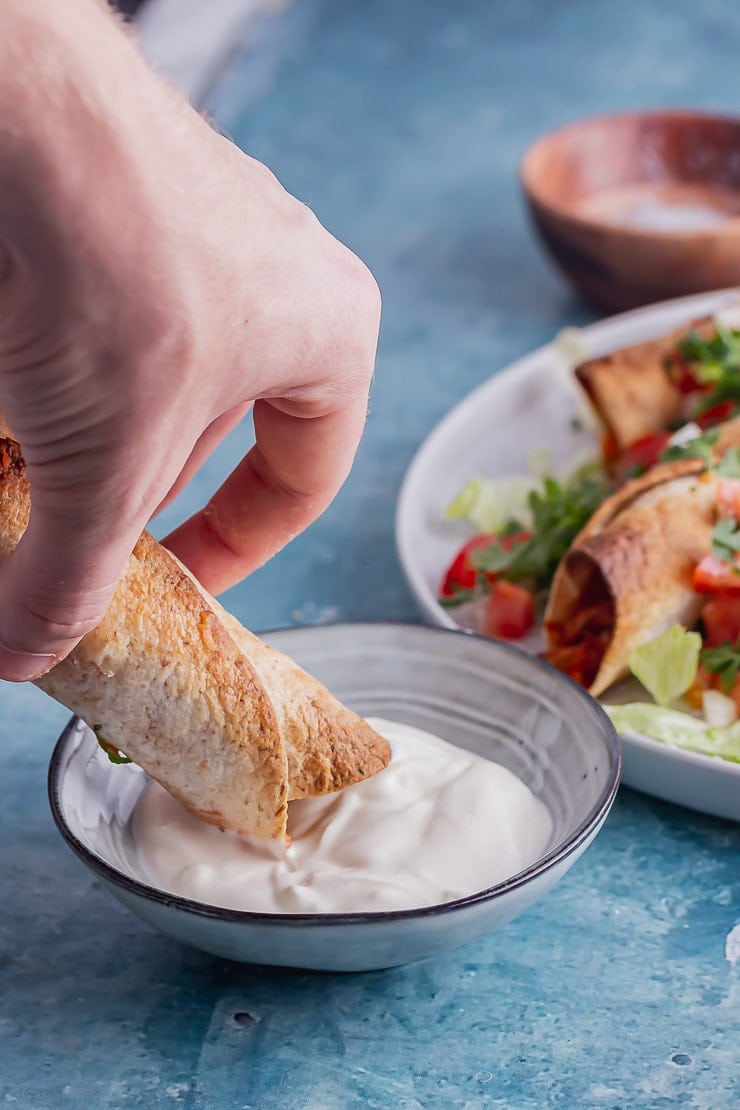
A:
[366,292]
[345,328]
[262,171]
[44,629]
[62,621]
[55,615]
[360,311]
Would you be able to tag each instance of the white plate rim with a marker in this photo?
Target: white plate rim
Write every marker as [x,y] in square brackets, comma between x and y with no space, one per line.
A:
[601,337]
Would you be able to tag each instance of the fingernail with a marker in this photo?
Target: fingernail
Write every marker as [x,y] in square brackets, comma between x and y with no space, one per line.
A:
[22,666]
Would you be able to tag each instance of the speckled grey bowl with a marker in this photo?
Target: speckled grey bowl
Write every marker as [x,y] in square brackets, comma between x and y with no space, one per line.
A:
[482,695]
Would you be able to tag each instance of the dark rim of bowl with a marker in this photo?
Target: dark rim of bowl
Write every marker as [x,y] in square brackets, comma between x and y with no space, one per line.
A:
[535,198]
[201,909]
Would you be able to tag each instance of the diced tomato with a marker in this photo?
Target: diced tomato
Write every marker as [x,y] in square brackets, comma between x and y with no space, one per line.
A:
[721,617]
[715,576]
[609,447]
[641,455]
[728,498]
[716,414]
[510,610]
[461,574]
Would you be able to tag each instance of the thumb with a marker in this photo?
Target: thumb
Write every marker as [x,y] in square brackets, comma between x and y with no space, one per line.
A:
[58,582]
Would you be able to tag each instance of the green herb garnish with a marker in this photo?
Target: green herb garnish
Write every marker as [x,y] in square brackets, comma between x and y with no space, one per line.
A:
[558,511]
[631,472]
[114,755]
[715,357]
[715,363]
[459,596]
[726,540]
[698,448]
[730,465]
[723,661]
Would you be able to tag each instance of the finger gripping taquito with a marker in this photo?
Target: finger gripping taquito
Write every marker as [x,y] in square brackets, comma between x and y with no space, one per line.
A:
[229,726]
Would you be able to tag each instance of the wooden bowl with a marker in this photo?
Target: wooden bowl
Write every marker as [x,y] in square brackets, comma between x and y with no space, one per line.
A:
[641,206]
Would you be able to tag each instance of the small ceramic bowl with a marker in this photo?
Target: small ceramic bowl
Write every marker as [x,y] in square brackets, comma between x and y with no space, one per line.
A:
[639,207]
[484,696]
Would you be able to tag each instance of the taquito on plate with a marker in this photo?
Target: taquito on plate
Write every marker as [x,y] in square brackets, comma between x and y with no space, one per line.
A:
[627,577]
[633,390]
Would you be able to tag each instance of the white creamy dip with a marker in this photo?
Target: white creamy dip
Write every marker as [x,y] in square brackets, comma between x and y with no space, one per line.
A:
[438,823]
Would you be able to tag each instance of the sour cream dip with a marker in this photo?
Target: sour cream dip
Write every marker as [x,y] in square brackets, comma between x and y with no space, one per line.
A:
[438,823]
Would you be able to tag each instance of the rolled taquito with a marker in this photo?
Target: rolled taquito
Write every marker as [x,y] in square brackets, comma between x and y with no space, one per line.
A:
[627,577]
[229,726]
[633,390]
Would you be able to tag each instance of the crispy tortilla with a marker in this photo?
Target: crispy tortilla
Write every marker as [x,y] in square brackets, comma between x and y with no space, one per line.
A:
[229,726]
[632,390]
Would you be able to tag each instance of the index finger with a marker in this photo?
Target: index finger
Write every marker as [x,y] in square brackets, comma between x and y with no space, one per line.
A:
[292,473]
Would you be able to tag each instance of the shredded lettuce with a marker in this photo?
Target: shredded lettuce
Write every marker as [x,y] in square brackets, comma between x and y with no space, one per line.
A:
[490,504]
[494,504]
[540,462]
[667,665]
[678,730]
[571,347]
[558,513]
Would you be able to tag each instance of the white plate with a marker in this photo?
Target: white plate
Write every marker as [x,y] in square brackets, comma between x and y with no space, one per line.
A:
[494,432]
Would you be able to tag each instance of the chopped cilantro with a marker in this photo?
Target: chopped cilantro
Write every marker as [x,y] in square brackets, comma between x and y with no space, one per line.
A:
[730,465]
[631,472]
[698,448]
[726,540]
[459,597]
[110,749]
[715,363]
[559,511]
[714,356]
[723,661]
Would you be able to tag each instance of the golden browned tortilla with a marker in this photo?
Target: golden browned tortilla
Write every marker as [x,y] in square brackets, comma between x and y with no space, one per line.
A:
[627,577]
[229,726]
[632,389]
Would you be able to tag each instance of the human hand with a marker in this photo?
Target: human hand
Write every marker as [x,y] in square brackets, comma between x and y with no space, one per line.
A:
[154,282]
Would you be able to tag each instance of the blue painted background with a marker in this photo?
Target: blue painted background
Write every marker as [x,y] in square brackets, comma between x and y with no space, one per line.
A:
[402,124]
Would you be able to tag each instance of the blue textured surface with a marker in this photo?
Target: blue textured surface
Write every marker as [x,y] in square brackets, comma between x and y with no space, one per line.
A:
[402,125]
